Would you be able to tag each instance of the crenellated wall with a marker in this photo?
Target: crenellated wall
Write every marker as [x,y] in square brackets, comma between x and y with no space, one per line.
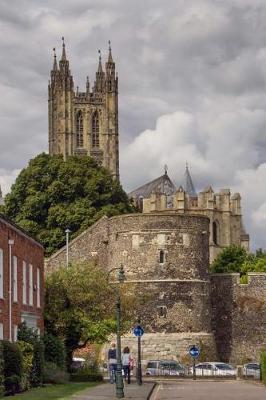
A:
[239,316]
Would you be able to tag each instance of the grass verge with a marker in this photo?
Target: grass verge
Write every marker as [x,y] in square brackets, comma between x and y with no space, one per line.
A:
[55,392]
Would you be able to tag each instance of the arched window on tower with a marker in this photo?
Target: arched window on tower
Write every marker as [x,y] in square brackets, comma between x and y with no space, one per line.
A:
[215,232]
[161,257]
[95,130]
[79,129]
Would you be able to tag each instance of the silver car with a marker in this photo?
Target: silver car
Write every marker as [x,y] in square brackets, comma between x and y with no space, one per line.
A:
[251,370]
[164,367]
[214,369]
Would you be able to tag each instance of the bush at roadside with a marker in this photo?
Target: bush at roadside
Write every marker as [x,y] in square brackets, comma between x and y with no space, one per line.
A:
[263,366]
[13,367]
[53,374]
[86,374]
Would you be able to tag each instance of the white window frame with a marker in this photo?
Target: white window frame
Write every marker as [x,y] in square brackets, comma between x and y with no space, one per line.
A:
[15,279]
[30,285]
[38,288]
[24,282]
[1,331]
[15,333]
[1,274]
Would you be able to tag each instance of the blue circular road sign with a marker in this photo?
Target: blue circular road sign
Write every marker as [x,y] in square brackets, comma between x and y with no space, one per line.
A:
[194,351]
[138,331]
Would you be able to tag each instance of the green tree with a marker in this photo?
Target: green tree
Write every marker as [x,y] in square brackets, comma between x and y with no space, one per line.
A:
[230,259]
[80,306]
[51,195]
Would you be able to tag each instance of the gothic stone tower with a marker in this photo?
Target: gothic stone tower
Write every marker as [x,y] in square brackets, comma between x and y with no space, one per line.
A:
[85,122]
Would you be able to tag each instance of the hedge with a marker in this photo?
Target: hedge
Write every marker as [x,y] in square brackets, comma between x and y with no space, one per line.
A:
[263,366]
[13,367]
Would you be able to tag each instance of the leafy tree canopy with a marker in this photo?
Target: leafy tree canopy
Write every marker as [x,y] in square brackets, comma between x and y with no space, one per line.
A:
[80,306]
[236,259]
[51,195]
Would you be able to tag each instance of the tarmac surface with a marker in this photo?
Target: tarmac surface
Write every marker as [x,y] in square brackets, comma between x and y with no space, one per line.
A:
[209,390]
[106,391]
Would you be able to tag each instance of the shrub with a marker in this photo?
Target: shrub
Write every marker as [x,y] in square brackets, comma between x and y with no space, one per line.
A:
[263,366]
[86,374]
[54,350]
[1,370]
[27,363]
[53,374]
[31,336]
[36,378]
[12,367]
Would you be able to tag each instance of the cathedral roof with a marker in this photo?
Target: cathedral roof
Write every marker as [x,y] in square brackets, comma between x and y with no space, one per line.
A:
[189,186]
[163,184]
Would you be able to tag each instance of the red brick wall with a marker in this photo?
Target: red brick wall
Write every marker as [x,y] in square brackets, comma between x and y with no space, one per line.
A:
[30,251]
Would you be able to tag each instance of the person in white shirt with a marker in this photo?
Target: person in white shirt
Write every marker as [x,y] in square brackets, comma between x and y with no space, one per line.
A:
[126,363]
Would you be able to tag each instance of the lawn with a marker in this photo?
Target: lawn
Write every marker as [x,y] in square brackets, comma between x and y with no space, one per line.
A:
[54,392]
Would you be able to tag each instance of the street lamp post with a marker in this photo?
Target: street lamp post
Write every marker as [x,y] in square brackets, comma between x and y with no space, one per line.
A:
[67,231]
[119,378]
[10,244]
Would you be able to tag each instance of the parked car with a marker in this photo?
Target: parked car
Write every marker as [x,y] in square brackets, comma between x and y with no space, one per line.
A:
[214,369]
[165,367]
[251,370]
[78,362]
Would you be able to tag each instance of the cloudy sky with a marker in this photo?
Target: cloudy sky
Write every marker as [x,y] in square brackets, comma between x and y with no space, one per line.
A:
[192,82]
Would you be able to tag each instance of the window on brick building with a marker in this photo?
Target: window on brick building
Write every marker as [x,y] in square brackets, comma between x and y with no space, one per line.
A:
[38,288]
[1,331]
[15,279]
[24,282]
[95,130]
[15,333]
[30,285]
[1,274]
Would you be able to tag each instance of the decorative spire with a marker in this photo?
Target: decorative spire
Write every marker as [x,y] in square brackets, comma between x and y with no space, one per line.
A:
[55,61]
[63,58]
[189,186]
[87,85]
[100,69]
[165,169]
[110,58]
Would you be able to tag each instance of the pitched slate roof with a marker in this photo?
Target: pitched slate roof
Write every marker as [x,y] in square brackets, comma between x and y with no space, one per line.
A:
[189,186]
[163,184]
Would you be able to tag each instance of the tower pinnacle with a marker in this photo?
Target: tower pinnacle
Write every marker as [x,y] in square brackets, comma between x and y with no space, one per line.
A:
[100,69]
[55,61]
[110,58]
[63,58]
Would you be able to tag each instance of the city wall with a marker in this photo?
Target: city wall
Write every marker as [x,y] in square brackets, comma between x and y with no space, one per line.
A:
[239,316]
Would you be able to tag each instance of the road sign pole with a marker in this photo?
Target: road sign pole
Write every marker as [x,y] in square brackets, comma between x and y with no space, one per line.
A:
[139,372]
[194,369]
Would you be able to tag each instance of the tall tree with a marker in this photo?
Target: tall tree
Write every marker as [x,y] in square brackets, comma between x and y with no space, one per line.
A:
[80,305]
[51,195]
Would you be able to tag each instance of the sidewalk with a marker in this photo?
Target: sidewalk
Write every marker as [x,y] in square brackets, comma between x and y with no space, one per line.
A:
[106,391]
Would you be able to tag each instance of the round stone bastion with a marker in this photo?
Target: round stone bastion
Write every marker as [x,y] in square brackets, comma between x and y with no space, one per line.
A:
[166,258]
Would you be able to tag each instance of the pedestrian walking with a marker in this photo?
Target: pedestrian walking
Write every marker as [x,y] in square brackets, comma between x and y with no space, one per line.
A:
[112,362]
[127,361]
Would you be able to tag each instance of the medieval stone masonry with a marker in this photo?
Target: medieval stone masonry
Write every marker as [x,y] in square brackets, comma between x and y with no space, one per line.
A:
[166,248]
[84,122]
[22,260]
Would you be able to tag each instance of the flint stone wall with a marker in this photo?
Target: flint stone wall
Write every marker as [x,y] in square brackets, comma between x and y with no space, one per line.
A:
[239,316]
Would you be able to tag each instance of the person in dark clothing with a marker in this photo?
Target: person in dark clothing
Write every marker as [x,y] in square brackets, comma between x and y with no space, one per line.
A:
[112,362]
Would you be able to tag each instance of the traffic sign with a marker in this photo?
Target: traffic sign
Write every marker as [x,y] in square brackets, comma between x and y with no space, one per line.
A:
[138,331]
[194,351]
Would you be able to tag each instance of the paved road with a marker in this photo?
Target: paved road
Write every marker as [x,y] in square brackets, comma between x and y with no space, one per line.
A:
[227,390]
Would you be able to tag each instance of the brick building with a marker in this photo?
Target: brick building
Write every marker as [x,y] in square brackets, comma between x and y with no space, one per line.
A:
[21,280]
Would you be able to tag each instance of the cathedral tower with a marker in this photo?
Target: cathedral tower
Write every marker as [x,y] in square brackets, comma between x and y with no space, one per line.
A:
[84,122]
